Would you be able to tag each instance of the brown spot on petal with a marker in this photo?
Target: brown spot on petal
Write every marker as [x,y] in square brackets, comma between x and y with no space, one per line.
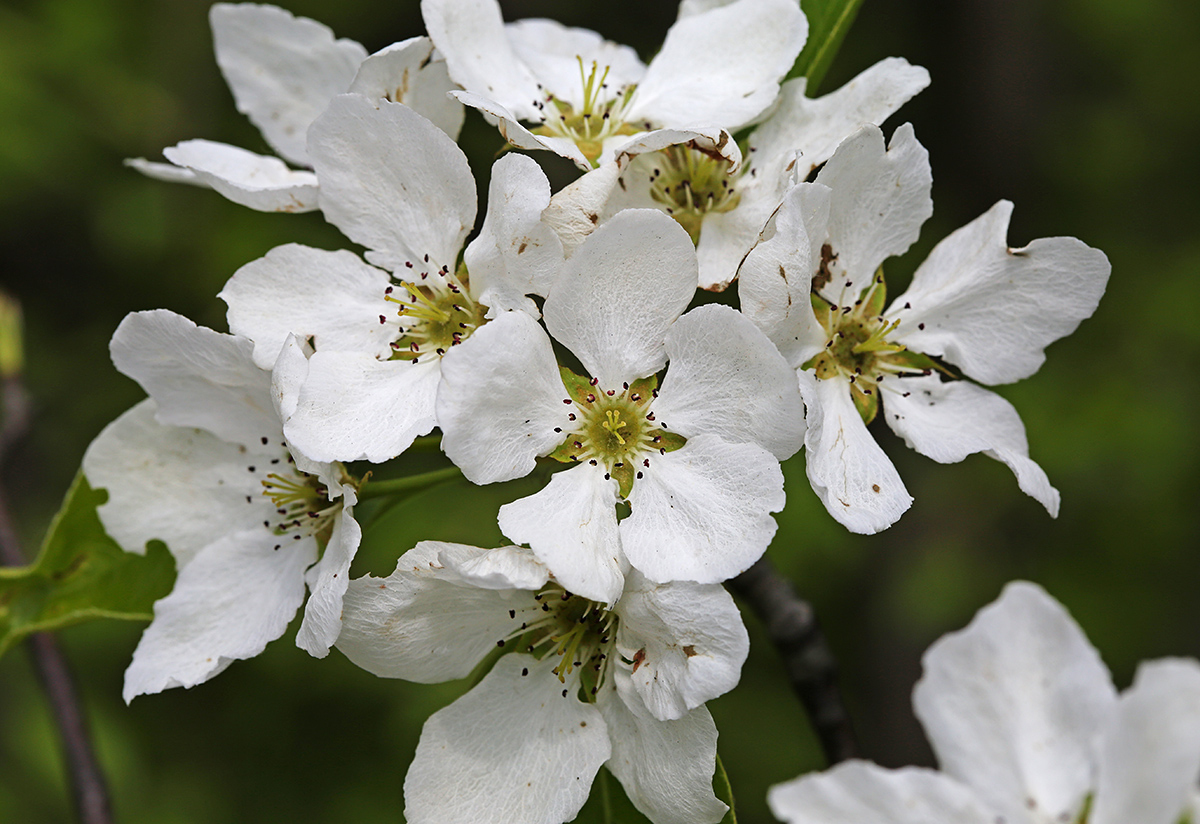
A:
[689,651]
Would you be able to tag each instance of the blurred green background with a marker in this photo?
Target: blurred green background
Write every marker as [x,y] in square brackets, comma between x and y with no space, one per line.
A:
[1086,113]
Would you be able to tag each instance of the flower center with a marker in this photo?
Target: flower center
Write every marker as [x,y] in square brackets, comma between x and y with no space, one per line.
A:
[599,116]
[614,429]
[302,504]
[436,312]
[690,184]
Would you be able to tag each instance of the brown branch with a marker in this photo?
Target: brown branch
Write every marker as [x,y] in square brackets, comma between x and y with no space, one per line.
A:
[792,626]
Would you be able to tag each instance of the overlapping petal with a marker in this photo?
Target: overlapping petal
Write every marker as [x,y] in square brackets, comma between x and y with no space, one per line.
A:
[259,182]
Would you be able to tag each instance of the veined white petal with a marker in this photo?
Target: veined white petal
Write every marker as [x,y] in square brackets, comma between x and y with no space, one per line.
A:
[702,513]
[501,400]
[282,70]
[392,181]
[259,182]
[992,310]
[409,72]
[849,472]
[233,598]
[577,209]
[328,579]
[425,622]
[508,567]
[1012,703]
[332,297]
[727,237]
[708,139]
[513,749]
[516,134]
[727,379]
[165,171]
[558,54]
[571,525]
[948,421]
[619,293]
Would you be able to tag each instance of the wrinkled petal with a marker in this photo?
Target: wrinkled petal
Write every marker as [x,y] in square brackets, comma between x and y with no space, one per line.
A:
[165,171]
[687,642]
[727,379]
[576,210]
[1011,705]
[697,78]
[702,513]
[666,767]
[857,792]
[571,525]
[282,70]
[392,181]
[257,181]
[711,140]
[992,310]
[553,53]
[948,421]
[727,237]
[1150,751]
[233,598]
[332,297]
[619,293]
[512,749]
[501,400]
[851,475]
[424,622]
[408,72]
[508,567]
[517,135]
[328,579]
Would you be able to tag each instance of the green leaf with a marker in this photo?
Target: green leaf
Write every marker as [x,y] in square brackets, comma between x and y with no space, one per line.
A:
[724,791]
[81,573]
[828,22]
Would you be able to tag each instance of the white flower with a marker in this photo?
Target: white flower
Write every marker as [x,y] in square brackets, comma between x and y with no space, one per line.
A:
[583,686]
[283,71]
[696,460]
[585,96]
[723,206]
[976,303]
[1028,729]
[202,465]
[395,183]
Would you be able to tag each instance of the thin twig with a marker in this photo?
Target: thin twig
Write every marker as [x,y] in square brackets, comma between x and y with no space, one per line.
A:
[792,627]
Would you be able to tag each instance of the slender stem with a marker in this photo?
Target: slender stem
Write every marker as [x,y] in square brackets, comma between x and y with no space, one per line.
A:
[393,486]
[792,627]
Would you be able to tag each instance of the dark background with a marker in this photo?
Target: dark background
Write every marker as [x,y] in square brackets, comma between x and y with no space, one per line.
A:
[1086,113]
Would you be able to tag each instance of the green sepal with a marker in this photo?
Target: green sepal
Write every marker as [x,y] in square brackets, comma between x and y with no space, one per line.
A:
[916,360]
[641,392]
[666,441]
[579,389]
[623,475]
[875,296]
[567,451]
[821,308]
[822,364]
[81,573]
[865,401]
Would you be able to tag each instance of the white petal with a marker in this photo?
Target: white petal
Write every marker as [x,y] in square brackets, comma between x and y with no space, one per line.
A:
[353,407]
[392,181]
[576,210]
[708,139]
[727,379]
[686,640]
[257,181]
[727,237]
[857,792]
[991,310]
[165,171]
[849,472]
[282,70]
[409,72]
[515,253]
[501,399]
[775,280]
[229,602]
[1012,703]
[197,376]
[722,66]
[666,767]
[815,126]
[948,421]
[553,53]
[173,483]
[517,135]
[1150,756]
[571,525]
[472,37]
[332,297]
[880,199]
[511,750]
[328,579]
[508,567]
[619,293]
[423,622]
[702,513]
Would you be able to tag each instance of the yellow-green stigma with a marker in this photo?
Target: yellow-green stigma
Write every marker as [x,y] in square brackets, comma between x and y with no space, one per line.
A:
[690,184]
[436,312]
[598,118]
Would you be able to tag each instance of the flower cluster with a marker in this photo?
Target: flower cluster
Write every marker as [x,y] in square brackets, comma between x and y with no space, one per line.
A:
[566,336]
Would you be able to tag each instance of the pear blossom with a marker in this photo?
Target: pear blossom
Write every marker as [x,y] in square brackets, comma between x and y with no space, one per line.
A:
[283,71]
[1028,729]
[724,206]
[203,466]
[579,686]
[814,285]
[585,97]
[395,183]
[697,460]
